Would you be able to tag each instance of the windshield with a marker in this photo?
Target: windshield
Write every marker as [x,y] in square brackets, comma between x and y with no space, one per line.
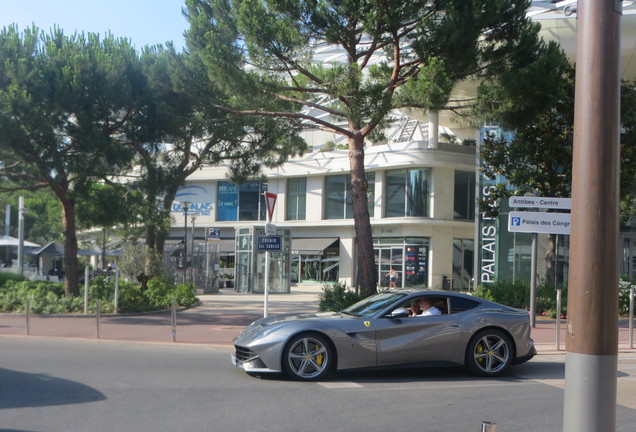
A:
[372,305]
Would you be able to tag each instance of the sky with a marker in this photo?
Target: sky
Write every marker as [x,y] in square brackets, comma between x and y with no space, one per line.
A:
[143,22]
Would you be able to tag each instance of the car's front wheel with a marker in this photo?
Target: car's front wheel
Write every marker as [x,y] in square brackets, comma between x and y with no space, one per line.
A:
[307,357]
[489,353]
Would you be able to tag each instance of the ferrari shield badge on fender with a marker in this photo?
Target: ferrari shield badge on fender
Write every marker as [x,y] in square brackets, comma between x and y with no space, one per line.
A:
[367,323]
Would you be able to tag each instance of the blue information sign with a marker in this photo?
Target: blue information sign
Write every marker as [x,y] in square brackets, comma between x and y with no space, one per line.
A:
[268,243]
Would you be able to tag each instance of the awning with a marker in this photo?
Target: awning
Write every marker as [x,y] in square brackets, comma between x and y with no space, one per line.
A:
[12,241]
[312,246]
[53,248]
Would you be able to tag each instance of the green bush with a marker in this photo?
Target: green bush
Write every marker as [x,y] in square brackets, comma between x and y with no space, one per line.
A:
[159,292]
[130,298]
[336,297]
[517,295]
[48,297]
[4,277]
[184,295]
[162,292]
[624,288]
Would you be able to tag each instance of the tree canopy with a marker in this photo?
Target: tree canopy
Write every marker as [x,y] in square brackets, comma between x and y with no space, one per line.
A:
[387,55]
[91,118]
[64,102]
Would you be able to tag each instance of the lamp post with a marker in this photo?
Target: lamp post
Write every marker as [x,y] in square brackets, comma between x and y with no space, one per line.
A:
[185,205]
[21,211]
[193,217]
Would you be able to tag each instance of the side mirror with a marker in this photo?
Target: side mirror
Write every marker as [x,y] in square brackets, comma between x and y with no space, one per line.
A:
[400,313]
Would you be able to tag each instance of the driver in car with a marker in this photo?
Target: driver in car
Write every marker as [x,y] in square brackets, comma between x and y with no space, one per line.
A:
[428,309]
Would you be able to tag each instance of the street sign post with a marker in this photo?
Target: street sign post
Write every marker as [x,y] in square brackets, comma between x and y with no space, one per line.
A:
[270,200]
[268,243]
[540,202]
[539,222]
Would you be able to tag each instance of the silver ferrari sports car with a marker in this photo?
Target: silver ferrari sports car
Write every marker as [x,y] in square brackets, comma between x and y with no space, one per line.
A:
[389,329]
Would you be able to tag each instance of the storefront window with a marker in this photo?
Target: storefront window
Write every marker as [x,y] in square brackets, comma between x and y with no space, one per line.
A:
[407,256]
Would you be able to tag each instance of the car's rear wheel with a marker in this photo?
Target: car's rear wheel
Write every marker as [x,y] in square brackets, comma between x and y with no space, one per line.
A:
[307,357]
[489,353]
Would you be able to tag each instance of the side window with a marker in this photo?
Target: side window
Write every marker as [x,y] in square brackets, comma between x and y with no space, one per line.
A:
[440,303]
[459,304]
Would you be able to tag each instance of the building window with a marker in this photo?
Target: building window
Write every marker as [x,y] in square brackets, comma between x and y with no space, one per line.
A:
[338,196]
[296,199]
[464,205]
[244,202]
[406,192]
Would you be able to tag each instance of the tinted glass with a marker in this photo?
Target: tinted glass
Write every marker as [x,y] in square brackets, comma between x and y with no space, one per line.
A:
[372,305]
[460,304]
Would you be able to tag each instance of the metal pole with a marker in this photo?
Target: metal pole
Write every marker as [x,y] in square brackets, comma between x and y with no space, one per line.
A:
[28,314]
[7,228]
[558,319]
[631,318]
[533,282]
[98,313]
[21,211]
[193,217]
[185,205]
[592,336]
[266,293]
[173,321]
[86,290]
[487,426]
[116,295]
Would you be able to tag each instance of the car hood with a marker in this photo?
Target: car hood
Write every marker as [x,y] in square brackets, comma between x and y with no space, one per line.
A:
[277,319]
[264,324]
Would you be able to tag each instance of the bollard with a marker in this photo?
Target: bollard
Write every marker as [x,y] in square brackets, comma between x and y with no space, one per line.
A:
[28,312]
[558,320]
[174,321]
[487,426]
[631,318]
[98,313]
[116,296]
[86,274]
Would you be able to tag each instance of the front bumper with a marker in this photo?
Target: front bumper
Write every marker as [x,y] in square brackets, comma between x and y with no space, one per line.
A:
[250,363]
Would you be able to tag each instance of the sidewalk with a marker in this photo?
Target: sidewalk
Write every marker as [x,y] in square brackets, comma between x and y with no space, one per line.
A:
[217,320]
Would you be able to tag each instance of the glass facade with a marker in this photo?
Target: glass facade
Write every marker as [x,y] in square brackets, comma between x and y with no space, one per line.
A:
[337,194]
[244,202]
[463,259]
[296,199]
[406,192]
[464,198]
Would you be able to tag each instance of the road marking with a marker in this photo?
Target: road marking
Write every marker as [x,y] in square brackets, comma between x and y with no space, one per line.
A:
[380,386]
[340,385]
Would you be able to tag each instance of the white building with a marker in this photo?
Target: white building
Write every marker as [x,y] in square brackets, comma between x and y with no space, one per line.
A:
[421,202]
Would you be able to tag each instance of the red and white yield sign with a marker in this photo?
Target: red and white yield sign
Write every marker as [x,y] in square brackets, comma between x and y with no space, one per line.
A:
[270,199]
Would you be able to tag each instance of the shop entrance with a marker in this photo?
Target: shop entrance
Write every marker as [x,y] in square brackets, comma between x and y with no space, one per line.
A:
[407,256]
[387,257]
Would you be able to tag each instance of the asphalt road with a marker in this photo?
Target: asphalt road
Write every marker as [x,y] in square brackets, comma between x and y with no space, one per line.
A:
[60,385]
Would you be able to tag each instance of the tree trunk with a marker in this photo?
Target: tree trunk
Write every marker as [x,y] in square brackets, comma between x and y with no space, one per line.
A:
[550,260]
[367,273]
[71,267]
